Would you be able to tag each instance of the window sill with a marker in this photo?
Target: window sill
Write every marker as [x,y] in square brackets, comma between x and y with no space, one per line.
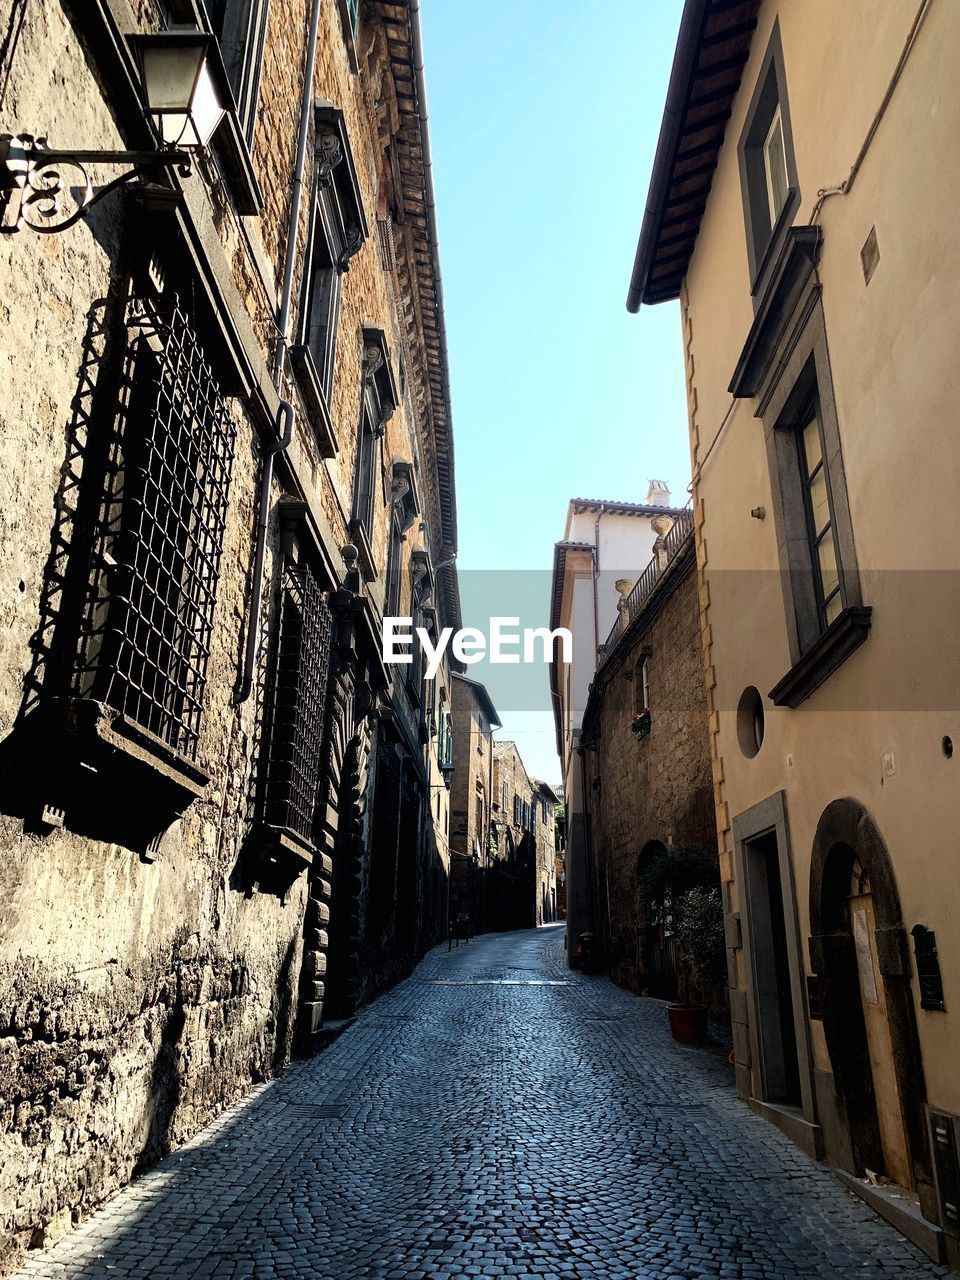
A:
[92,770]
[277,855]
[845,634]
[368,570]
[314,401]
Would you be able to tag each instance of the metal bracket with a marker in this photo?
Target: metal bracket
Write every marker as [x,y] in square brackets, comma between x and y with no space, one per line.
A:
[34,189]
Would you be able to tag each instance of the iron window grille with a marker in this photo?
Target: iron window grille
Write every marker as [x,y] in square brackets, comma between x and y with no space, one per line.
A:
[294,736]
[146,634]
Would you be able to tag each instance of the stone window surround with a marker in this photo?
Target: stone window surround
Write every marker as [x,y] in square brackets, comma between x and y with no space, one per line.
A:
[242,48]
[784,359]
[770,91]
[378,402]
[769,817]
[337,229]
[231,142]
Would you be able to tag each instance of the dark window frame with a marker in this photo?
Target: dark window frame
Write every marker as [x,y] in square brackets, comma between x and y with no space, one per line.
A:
[392,600]
[365,479]
[350,25]
[241,32]
[421,609]
[337,231]
[816,537]
[378,401]
[770,91]
[320,312]
[817,646]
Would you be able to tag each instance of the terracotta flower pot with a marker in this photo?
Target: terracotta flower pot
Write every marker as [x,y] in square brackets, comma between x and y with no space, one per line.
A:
[688,1022]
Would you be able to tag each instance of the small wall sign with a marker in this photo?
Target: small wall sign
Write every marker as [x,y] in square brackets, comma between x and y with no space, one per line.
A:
[928,968]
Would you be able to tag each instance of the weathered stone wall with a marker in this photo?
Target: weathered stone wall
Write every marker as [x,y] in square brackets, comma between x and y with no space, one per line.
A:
[512,873]
[473,761]
[139,998]
[136,999]
[545,889]
[656,789]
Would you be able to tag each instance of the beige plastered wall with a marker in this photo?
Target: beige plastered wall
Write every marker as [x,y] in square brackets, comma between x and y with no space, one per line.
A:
[896,377]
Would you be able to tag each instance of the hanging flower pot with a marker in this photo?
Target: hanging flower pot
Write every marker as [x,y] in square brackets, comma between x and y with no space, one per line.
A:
[640,724]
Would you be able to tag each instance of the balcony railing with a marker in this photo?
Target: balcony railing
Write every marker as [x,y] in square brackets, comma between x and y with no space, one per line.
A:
[632,604]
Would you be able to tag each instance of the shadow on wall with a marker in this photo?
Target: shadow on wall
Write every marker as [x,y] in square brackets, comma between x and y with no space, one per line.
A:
[64,590]
[41,760]
[171,1063]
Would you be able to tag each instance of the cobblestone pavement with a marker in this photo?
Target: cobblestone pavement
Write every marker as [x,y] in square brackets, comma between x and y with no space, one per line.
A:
[495,1115]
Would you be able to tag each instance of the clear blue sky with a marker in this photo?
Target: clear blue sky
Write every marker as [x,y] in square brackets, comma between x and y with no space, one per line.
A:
[544,116]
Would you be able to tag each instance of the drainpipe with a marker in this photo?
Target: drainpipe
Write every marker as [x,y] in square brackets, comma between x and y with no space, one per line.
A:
[285,413]
[596,588]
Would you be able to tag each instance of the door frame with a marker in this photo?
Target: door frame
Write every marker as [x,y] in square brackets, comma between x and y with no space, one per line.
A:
[769,817]
[847,831]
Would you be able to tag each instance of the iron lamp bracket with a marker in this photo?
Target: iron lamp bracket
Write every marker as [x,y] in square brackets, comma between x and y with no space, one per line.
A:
[35,193]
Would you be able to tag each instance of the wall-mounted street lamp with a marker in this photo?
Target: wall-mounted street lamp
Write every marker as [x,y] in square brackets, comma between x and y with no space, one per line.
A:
[185,93]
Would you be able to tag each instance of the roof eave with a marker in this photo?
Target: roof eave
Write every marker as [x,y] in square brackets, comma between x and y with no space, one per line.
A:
[713,44]
[684,61]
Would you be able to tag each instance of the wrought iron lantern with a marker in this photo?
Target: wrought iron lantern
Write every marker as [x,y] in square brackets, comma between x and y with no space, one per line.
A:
[184,86]
[186,95]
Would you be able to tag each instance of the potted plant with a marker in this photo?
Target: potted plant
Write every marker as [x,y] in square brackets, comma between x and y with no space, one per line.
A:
[686,879]
[640,724]
[699,925]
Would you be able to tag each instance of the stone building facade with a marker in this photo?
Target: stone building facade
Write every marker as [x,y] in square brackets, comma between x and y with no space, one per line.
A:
[604,543]
[228,451]
[471,798]
[545,822]
[647,791]
[814,257]
[521,875]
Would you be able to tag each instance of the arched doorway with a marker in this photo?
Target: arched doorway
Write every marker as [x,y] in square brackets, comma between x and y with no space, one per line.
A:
[656,941]
[859,952]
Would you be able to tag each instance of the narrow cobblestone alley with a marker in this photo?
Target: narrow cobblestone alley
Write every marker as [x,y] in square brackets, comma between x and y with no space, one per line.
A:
[494,1115]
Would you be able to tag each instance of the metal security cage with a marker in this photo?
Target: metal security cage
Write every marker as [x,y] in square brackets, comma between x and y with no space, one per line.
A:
[145,640]
[294,735]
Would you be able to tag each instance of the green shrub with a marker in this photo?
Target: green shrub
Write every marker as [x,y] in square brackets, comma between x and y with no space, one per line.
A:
[698,915]
[669,873]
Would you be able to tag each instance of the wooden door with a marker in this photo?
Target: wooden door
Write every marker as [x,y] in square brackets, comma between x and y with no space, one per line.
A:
[879,1043]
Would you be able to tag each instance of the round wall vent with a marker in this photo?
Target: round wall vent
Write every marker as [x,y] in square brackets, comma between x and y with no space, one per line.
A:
[750,722]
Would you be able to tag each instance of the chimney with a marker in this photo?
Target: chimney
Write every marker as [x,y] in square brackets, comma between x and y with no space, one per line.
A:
[658,494]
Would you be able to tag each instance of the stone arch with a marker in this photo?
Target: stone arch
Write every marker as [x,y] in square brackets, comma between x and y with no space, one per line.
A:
[846,835]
